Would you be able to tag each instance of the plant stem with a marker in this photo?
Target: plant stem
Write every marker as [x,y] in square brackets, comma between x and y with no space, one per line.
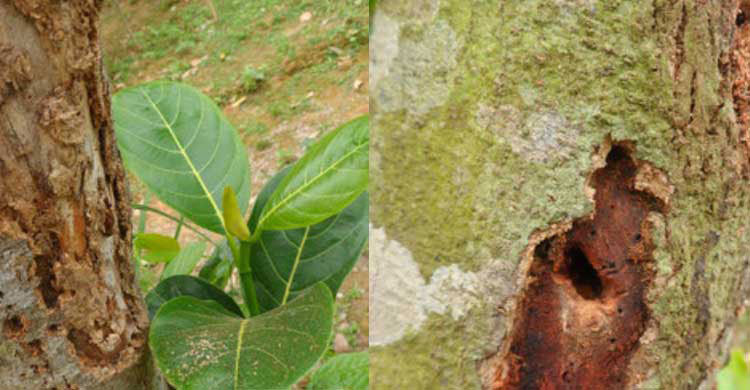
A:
[165,215]
[141,229]
[242,262]
[179,227]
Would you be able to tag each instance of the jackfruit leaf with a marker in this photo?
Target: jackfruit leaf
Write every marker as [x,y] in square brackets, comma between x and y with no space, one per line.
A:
[350,371]
[218,268]
[735,376]
[179,285]
[156,248]
[330,175]
[181,146]
[198,344]
[286,262]
[185,261]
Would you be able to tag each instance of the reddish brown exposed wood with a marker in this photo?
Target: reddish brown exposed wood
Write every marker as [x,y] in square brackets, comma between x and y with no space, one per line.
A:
[583,309]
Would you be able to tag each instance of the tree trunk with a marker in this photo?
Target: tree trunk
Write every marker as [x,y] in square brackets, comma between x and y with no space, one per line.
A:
[560,192]
[71,313]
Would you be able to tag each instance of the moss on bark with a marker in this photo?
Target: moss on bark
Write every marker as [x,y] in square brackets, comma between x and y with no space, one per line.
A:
[499,142]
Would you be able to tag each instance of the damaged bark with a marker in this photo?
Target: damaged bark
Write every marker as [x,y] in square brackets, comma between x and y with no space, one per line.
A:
[583,310]
[503,135]
[71,313]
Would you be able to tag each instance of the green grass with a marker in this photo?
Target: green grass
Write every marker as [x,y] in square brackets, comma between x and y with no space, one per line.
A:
[257,50]
[258,60]
[174,32]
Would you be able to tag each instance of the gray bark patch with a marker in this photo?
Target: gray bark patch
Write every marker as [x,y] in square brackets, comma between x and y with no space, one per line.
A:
[540,137]
[420,76]
[400,299]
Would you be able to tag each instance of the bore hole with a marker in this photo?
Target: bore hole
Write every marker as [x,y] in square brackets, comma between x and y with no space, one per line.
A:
[13,327]
[612,340]
[566,376]
[542,250]
[582,274]
[617,153]
[593,233]
[740,18]
[638,237]
[619,310]
[608,264]
[14,323]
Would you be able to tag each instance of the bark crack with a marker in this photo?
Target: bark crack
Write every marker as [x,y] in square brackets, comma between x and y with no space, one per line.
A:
[679,40]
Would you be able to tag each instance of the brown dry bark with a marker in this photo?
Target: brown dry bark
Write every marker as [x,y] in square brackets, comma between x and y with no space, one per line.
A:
[70,310]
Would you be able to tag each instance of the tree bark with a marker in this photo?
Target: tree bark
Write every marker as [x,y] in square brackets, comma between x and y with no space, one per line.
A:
[71,313]
[560,191]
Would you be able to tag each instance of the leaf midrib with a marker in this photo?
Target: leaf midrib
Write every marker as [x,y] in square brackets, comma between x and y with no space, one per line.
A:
[294,267]
[294,193]
[243,323]
[185,156]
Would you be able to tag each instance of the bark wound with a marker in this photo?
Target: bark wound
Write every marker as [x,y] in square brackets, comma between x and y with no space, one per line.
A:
[582,311]
[64,199]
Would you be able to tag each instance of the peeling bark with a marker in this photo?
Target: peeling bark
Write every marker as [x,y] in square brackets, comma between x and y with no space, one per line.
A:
[71,313]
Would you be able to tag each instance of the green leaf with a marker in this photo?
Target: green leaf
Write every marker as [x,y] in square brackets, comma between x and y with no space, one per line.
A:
[264,195]
[326,179]
[735,376]
[182,147]
[233,218]
[184,263]
[147,278]
[200,345]
[349,371]
[286,262]
[219,266]
[157,248]
[179,285]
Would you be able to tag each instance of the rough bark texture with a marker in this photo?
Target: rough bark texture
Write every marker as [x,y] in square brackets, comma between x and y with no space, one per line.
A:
[491,121]
[71,315]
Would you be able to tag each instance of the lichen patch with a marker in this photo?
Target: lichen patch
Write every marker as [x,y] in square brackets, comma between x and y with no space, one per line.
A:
[420,76]
[541,137]
[401,300]
[383,46]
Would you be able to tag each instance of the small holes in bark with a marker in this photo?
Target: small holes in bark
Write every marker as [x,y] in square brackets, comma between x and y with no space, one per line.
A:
[605,258]
[542,250]
[13,327]
[582,274]
[34,347]
[740,18]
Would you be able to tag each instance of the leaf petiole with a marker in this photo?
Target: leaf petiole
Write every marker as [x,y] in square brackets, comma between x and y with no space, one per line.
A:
[242,262]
